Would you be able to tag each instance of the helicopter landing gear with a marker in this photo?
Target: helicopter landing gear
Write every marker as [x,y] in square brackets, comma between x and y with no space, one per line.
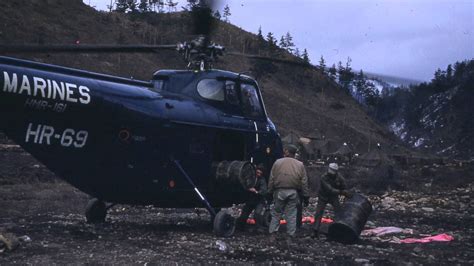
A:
[224,223]
[96,211]
[213,214]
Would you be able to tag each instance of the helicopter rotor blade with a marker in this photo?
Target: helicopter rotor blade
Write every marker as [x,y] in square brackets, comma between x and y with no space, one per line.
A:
[272,59]
[83,48]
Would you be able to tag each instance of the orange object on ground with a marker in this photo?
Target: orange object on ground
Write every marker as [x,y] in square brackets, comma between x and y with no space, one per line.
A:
[307,219]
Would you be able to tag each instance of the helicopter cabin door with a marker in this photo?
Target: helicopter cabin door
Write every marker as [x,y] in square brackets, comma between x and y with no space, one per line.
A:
[243,115]
[253,110]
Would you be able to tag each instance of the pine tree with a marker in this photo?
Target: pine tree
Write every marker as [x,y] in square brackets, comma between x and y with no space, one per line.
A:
[322,64]
[171,5]
[289,42]
[121,6]
[282,43]
[349,73]
[371,94]
[161,6]
[260,39]
[305,57]
[132,5]
[227,13]
[438,76]
[157,5]
[271,39]
[190,5]
[333,72]
[144,6]
[259,34]
[459,69]
[340,69]
[272,44]
[217,14]
[348,65]
[297,52]
[345,74]
[360,84]
[449,73]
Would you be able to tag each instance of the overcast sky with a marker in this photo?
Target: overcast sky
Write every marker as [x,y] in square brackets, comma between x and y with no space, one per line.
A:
[405,38]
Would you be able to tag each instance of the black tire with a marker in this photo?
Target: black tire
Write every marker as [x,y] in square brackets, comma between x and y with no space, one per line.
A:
[224,224]
[96,211]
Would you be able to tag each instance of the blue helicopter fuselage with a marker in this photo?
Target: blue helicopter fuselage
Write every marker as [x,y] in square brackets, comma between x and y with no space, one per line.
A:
[116,138]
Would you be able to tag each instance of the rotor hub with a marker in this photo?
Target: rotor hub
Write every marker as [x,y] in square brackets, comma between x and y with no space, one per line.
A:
[200,53]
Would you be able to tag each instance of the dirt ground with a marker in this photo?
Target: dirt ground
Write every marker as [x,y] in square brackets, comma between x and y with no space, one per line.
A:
[49,212]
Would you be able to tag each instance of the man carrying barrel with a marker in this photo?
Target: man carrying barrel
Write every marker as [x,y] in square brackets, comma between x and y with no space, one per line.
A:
[332,185]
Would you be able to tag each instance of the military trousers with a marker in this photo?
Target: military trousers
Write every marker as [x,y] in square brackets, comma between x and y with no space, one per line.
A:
[320,210]
[251,205]
[285,202]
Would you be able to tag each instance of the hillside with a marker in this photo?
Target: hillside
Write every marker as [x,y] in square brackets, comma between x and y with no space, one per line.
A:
[297,99]
[435,117]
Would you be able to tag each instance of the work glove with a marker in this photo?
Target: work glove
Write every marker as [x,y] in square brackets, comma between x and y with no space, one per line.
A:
[305,201]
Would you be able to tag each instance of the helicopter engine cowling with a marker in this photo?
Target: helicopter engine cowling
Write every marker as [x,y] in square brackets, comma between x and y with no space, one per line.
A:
[235,173]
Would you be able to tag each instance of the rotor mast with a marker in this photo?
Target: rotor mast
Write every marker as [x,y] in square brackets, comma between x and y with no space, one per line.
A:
[199,54]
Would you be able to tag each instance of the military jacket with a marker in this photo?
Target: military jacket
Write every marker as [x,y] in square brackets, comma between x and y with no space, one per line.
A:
[331,187]
[288,173]
[261,186]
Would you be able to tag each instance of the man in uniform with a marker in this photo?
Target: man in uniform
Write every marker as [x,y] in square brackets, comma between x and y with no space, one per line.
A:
[257,196]
[287,177]
[332,185]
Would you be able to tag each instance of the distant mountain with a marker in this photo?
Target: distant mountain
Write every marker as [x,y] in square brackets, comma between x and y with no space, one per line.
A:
[392,80]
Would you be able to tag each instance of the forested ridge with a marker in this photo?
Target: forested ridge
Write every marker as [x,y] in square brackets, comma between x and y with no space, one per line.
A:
[436,116]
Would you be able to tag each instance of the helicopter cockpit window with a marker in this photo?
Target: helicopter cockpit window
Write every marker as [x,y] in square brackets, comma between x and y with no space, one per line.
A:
[211,89]
[231,92]
[250,101]
[158,85]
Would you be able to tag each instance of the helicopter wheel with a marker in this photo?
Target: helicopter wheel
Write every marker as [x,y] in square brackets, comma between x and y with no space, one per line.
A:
[96,211]
[224,224]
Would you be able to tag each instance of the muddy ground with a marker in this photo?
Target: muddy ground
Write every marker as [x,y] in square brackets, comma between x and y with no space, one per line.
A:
[34,203]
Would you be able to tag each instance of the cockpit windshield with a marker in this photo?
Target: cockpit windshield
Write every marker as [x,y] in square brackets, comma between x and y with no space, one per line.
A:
[250,101]
[235,98]
[211,89]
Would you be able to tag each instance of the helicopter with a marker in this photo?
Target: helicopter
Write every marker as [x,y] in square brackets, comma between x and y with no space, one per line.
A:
[184,139]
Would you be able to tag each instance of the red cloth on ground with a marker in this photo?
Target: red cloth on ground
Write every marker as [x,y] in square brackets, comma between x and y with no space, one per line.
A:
[436,238]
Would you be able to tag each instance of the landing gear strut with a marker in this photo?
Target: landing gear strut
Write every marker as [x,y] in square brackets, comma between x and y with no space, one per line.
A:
[224,223]
[96,211]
